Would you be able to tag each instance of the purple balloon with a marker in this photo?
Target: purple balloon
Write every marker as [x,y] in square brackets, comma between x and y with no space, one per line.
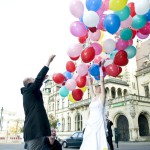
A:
[142,36]
[78,29]
[121,44]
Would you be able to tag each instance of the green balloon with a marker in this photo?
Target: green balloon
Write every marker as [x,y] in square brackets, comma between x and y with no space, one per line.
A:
[112,54]
[124,13]
[138,21]
[131,51]
[63,91]
[126,34]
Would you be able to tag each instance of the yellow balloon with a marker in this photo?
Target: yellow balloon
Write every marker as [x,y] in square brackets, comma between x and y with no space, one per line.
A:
[71,99]
[102,35]
[117,5]
[83,89]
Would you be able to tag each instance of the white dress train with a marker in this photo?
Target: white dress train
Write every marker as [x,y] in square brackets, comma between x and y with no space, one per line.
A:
[94,137]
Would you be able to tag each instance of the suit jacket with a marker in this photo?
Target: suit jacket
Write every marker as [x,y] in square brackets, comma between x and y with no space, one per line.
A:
[36,122]
[109,124]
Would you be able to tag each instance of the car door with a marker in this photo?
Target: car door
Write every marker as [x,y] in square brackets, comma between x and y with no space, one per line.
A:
[79,139]
[72,140]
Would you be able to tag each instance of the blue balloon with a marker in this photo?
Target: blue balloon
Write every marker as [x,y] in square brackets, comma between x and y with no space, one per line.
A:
[97,77]
[67,74]
[63,91]
[94,70]
[147,16]
[131,51]
[93,5]
[112,23]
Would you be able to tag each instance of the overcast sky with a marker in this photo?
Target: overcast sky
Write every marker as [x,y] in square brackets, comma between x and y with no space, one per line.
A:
[31,30]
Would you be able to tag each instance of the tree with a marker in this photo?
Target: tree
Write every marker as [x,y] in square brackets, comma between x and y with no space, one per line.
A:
[52,120]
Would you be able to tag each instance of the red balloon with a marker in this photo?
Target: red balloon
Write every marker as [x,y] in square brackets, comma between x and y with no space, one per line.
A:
[58,78]
[121,58]
[81,81]
[112,70]
[77,94]
[146,29]
[133,33]
[83,39]
[74,58]
[132,9]
[92,29]
[88,54]
[70,66]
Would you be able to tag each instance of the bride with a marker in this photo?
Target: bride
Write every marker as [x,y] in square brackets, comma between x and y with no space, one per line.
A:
[94,137]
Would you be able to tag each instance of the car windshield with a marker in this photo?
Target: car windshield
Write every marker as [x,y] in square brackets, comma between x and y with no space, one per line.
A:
[80,135]
[75,135]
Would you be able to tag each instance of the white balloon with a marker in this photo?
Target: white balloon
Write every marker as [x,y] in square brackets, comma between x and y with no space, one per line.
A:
[91,19]
[142,7]
[109,45]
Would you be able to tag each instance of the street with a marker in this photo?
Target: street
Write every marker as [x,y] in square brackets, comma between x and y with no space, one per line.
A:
[122,146]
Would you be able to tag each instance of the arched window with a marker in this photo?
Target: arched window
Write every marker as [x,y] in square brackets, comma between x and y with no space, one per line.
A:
[107,92]
[113,92]
[63,124]
[119,92]
[69,123]
[78,122]
[125,92]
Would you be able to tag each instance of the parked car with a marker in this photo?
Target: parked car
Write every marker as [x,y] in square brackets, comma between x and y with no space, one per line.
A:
[73,141]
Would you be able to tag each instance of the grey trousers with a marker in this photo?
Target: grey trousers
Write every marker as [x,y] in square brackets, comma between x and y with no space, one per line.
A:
[35,144]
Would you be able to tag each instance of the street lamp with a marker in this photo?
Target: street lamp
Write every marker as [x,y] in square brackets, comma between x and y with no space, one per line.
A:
[1,119]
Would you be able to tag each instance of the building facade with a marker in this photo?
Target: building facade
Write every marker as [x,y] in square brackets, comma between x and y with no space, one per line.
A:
[128,101]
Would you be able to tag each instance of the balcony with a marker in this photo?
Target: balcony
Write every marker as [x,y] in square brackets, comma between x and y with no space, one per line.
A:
[116,81]
[143,71]
[79,104]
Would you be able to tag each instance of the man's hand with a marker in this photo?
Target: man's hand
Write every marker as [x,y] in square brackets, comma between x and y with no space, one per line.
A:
[50,60]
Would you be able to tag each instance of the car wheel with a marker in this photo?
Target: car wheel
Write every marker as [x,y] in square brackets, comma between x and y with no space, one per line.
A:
[65,145]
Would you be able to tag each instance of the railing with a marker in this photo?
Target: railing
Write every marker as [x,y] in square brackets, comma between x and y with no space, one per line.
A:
[113,80]
[142,71]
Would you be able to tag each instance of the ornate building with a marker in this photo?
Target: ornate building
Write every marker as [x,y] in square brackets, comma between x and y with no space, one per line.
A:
[128,101]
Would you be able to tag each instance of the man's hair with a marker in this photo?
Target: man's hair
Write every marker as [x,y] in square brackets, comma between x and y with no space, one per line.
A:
[26,81]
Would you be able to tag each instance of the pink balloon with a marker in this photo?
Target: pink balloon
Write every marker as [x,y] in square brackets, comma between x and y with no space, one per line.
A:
[101,23]
[74,50]
[78,29]
[121,44]
[146,29]
[126,23]
[76,8]
[97,47]
[70,84]
[142,36]
[130,42]
[97,59]
[95,36]
[82,69]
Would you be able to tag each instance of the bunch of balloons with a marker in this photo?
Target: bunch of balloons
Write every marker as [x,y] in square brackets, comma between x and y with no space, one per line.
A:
[125,21]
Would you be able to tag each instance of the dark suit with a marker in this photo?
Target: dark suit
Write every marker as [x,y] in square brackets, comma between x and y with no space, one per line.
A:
[36,122]
[109,135]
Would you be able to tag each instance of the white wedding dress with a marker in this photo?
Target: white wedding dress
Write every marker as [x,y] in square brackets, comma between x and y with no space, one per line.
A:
[94,137]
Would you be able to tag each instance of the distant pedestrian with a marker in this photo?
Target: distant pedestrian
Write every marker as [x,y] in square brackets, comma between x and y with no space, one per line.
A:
[36,124]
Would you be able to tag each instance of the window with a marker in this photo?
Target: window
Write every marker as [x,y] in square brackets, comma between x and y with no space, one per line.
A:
[57,105]
[113,92]
[80,135]
[53,107]
[69,123]
[63,124]
[63,103]
[78,122]
[133,85]
[75,135]
[146,89]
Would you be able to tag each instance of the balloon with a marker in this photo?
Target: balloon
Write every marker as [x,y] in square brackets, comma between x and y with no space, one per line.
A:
[132,9]
[124,13]
[97,77]
[95,36]
[74,58]
[146,29]
[113,70]
[97,59]
[74,50]
[108,62]
[58,78]
[101,22]
[93,4]
[94,70]
[116,5]
[83,89]
[82,69]
[142,7]
[121,44]
[63,91]
[78,29]
[83,38]
[88,54]
[70,66]
[67,74]
[138,21]
[112,54]
[91,19]
[112,23]
[77,94]
[70,98]
[97,47]
[109,45]
[81,81]
[102,36]
[133,33]
[130,42]
[70,84]
[147,16]
[126,34]
[121,58]
[142,36]
[92,29]
[131,51]
[76,8]
[126,23]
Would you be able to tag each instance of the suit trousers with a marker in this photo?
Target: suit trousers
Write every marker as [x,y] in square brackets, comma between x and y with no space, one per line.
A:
[109,140]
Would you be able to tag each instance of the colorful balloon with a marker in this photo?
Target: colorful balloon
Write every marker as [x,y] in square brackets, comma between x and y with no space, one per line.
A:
[63,91]
[93,5]
[131,51]
[70,84]
[126,34]
[77,94]
[58,78]
[70,66]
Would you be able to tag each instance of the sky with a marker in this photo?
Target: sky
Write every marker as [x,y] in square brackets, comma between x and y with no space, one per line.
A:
[30,31]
